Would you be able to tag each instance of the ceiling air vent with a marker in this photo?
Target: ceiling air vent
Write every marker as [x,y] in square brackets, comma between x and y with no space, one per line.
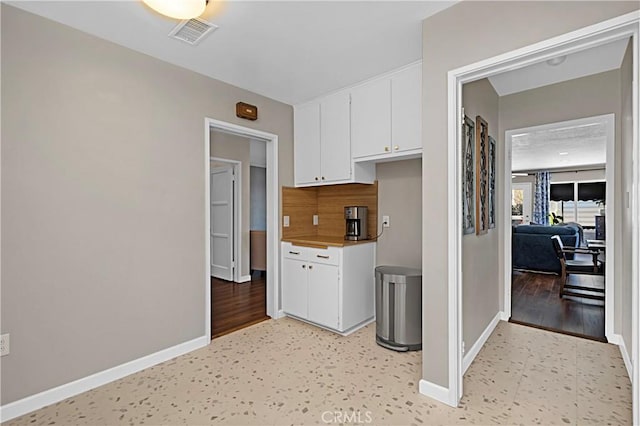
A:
[192,31]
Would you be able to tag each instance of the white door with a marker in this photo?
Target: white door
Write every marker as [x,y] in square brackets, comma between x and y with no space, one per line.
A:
[294,287]
[306,150]
[323,294]
[521,199]
[335,138]
[222,261]
[371,118]
[406,109]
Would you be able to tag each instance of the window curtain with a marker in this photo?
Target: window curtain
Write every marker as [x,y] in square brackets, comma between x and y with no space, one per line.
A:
[541,198]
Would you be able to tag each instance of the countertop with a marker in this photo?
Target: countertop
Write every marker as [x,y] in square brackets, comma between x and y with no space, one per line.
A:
[319,241]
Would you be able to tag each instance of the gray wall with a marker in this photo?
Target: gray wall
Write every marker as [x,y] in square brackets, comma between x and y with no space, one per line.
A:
[233,147]
[589,96]
[103,242]
[451,39]
[481,276]
[258,198]
[624,193]
[400,198]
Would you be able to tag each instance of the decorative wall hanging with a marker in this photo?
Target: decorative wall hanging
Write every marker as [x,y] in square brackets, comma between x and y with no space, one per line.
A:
[492,182]
[482,176]
[468,182]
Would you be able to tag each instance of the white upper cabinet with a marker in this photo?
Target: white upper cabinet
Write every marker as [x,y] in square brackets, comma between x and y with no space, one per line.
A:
[322,143]
[307,143]
[335,140]
[406,109]
[371,118]
[386,116]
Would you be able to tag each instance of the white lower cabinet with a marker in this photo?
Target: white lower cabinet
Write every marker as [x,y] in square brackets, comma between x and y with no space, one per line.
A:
[332,287]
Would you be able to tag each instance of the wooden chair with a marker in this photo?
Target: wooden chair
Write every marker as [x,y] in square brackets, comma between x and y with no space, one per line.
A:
[594,266]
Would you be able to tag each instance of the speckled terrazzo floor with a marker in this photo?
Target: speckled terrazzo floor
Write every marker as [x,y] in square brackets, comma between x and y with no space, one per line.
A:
[287,372]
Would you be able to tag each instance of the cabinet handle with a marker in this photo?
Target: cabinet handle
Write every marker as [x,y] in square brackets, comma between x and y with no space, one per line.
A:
[322,257]
[294,252]
[322,177]
[304,266]
[316,177]
[310,267]
[396,147]
[386,149]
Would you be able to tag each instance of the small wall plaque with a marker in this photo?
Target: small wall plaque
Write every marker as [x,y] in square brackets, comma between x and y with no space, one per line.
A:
[249,112]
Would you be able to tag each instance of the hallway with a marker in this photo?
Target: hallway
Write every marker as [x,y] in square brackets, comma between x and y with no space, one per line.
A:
[235,306]
[289,372]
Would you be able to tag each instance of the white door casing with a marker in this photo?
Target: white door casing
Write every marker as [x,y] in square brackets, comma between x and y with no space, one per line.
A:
[599,33]
[222,215]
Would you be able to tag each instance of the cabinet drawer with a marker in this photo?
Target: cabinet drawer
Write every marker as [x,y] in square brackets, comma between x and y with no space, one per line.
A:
[289,251]
[329,256]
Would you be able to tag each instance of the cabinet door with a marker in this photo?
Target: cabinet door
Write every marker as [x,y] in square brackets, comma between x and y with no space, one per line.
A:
[306,129]
[294,287]
[335,138]
[371,118]
[406,109]
[323,294]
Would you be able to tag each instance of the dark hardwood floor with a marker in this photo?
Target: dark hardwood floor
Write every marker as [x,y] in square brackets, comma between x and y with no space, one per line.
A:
[535,301]
[235,306]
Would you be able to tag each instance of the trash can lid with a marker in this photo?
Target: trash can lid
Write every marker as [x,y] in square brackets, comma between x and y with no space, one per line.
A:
[399,270]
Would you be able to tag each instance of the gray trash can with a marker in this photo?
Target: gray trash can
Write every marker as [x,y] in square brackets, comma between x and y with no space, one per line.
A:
[399,308]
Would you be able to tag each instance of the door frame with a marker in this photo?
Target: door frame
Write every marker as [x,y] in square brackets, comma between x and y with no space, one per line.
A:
[609,299]
[273,214]
[627,25]
[237,217]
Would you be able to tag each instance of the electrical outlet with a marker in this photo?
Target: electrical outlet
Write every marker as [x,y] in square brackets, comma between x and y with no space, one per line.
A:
[315,219]
[285,221]
[385,221]
[4,344]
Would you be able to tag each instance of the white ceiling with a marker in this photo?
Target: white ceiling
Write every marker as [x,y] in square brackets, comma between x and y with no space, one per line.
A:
[561,147]
[599,59]
[290,51]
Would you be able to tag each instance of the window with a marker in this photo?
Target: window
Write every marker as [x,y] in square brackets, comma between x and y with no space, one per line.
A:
[574,209]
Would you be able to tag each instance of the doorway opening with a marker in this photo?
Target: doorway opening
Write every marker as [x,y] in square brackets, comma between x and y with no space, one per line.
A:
[242,269]
[572,164]
[623,27]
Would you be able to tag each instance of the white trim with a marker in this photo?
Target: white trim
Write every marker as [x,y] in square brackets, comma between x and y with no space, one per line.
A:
[609,121]
[475,349]
[610,220]
[273,213]
[617,339]
[590,36]
[280,314]
[437,392]
[244,279]
[635,237]
[59,393]
[237,213]
[454,294]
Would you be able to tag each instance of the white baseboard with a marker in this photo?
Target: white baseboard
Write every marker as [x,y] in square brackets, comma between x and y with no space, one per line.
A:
[51,396]
[617,339]
[437,392]
[504,316]
[473,351]
[244,279]
[279,314]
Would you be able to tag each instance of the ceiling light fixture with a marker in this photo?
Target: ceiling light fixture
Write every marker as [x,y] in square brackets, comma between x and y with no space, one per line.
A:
[178,9]
[557,60]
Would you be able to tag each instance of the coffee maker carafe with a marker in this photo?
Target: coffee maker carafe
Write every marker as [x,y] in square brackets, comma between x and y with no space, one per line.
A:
[356,223]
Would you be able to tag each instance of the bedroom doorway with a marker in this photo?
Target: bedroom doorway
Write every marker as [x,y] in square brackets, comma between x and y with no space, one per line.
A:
[247,297]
